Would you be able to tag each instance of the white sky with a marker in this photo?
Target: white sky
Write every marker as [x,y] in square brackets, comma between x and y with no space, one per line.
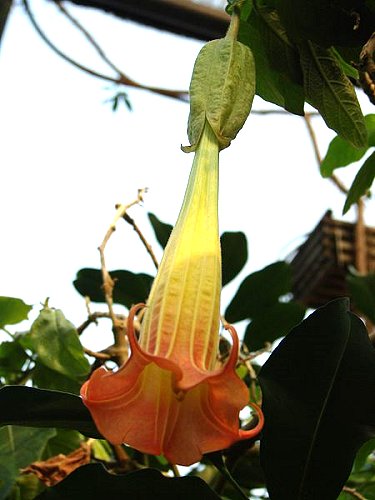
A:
[67,159]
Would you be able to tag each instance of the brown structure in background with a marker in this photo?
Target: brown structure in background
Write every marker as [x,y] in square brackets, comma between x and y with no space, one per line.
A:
[321,264]
[183,17]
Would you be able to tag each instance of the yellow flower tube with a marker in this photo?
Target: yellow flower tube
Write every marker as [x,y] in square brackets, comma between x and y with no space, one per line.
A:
[172,396]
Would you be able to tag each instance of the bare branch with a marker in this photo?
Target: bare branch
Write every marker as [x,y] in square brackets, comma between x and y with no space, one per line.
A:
[333,178]
[148,247]
[120,79]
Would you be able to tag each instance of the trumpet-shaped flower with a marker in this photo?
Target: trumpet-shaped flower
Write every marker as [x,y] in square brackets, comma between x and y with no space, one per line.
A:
[173,396]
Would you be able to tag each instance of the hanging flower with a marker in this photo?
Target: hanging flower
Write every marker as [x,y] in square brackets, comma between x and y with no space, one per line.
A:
[173,396]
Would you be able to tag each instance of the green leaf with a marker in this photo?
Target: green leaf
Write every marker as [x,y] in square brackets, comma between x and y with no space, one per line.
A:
[312,426]
[130,288]
[233,255]
[221,90]
[5,6]
[12,311]
[27,406]
[349,70]
[259,291]
[362,455]
[161,229]
[341,153]
[278,75]
[45,378]
[93,481]
[65,441]
[58,346]
[12,358]
[18,448]
[362,292]
[327,22]
[272,323]
[330,91]
[362,182]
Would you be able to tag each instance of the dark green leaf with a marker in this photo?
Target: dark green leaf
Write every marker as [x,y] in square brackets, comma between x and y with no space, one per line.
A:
[327,22]
[5,6]
[58,346]
[362,292]
[65,441]
[363,453]
[259,291]
[12,358]
[130,288]
[312,426]
[161,229]
[18,448]
[45,378]
[27,487]
[27,406]
[278,70]
[12,311]
[274,322]
[233,255]
[341,153]
[362,182]
[93,481]
[349,70]
[329,90]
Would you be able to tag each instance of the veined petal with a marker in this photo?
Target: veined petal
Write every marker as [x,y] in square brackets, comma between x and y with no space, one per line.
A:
[182,318]
[139,405]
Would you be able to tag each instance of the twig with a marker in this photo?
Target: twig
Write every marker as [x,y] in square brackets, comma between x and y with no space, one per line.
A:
[360,242]
[353,492]
[108,283]
[334,179]
[148,247]
[97,355]
[92,318]
[119,79]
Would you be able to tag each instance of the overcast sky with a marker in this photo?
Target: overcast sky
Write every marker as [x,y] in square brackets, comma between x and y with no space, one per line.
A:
[67,159]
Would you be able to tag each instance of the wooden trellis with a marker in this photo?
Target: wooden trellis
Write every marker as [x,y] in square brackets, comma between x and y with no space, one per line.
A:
[321,263]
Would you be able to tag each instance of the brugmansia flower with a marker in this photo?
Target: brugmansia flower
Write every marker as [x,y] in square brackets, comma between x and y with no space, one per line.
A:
[172,396]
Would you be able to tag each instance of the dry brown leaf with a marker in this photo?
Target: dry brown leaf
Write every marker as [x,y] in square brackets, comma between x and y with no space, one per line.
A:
[56,468]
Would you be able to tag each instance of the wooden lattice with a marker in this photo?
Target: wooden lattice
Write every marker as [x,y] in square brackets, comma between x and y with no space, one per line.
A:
[321,263]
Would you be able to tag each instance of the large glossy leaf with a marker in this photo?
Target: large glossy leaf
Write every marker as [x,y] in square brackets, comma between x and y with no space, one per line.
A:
[259,291]
[93,481]
[57,344]
[12,311]
[362,292]
[279,76]
[130,288]
[27,406]
[362,182]
[318,401]
[341,153]
[161,229]
[272,323]
[330,91]
[233,255]
[19,446]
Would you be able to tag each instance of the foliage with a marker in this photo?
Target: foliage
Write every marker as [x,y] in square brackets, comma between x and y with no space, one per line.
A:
[317,386]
